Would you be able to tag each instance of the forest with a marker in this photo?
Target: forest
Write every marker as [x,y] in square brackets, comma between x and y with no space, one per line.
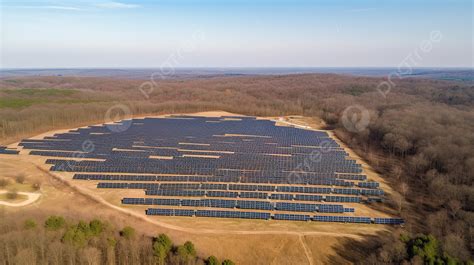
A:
[419,135]
[57,240]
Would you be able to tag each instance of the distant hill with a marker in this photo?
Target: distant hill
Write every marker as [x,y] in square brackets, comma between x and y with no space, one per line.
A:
[457,74]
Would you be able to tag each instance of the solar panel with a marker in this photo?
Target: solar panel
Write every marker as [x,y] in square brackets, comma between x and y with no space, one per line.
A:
[282,196]
[389,221]
[257,205]
[296,207]
[368,184]
[222,194]
[256,195]
[169,212]
[291,217]
[303,197]
[330,208]
[242,187]
[342,219]
[343,199]
[372,192]
[177,193]
[209,186]
[5,151]
[180,186]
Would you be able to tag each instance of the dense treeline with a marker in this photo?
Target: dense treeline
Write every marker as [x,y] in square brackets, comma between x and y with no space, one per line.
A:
[429,159]
[419,134]
[57,241]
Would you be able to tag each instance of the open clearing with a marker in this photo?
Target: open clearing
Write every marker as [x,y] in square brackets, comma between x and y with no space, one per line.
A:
[245,241]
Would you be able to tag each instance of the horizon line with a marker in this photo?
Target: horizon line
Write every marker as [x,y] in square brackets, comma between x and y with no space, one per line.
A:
[229,67]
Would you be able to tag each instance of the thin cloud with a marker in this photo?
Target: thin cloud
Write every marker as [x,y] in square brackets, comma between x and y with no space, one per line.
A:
[72,8]
[116,5]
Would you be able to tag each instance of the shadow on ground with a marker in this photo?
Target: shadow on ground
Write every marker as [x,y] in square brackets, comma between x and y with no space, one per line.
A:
[357,251]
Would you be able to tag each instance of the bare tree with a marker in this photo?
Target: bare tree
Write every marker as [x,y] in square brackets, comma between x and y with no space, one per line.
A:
[454,206]
[92,256]
[25,256]
[403,187]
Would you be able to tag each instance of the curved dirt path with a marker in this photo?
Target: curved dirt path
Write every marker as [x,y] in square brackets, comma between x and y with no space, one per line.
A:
[32,197]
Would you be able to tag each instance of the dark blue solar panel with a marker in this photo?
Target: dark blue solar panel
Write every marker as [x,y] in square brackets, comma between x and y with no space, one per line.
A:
[258,205]
[256,195]
[342,219]
[389,221]
[291,217]
[170,212]
[296,207]
[5,151]
[282,196]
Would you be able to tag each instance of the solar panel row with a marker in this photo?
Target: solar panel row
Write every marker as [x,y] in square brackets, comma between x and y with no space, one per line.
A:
[389,221]
[206,179]
[266,216]
[291,217]
[231,214]
[170,212]
[242,204]
[292,189]
[368,184]
[5,151]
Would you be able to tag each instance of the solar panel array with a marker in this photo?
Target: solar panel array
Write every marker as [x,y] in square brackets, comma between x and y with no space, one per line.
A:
[252,167]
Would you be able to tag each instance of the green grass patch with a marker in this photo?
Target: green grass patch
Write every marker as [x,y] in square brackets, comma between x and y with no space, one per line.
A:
[26,97]
[43,92]
[356,90]
[75,101]
[11,81]
[23,103]
[18,102]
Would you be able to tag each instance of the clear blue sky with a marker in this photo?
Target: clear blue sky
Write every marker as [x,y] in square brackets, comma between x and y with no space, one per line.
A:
[259,33]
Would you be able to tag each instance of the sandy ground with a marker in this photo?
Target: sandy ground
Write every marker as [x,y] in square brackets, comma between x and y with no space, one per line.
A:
[245,241]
